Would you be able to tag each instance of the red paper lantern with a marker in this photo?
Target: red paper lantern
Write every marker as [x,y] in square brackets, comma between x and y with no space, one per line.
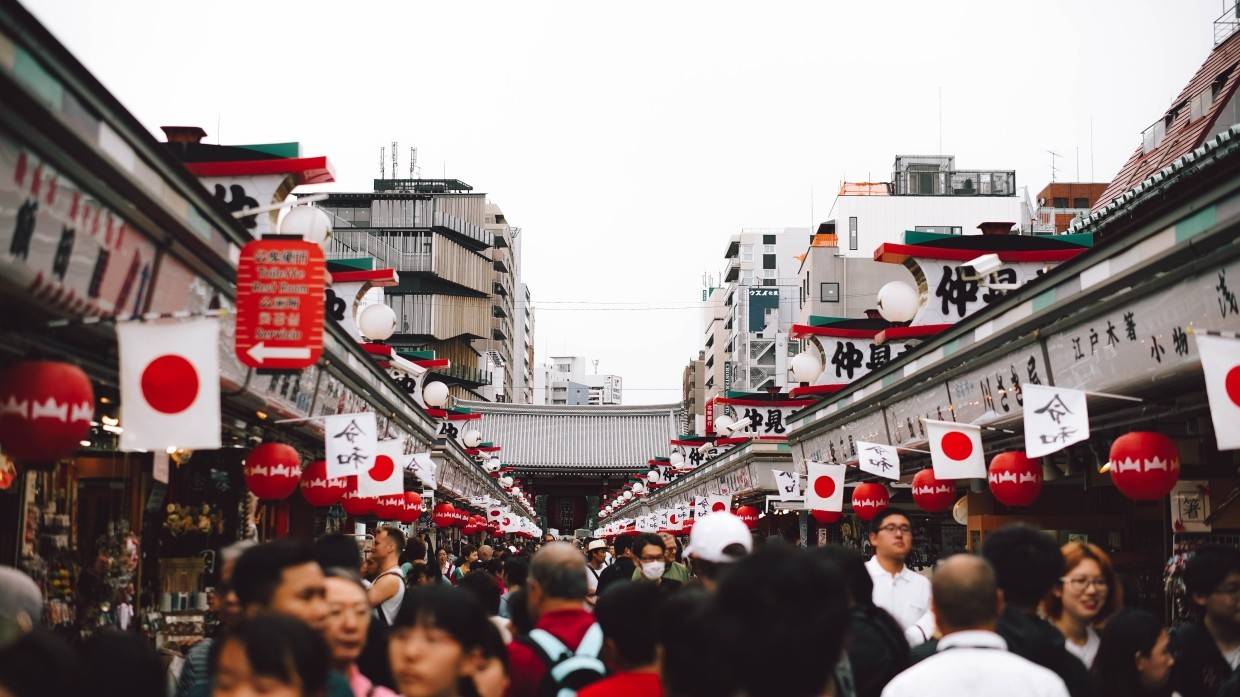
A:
[931,494]
[413,507]
[748,515]
[444,515]
[317,489]
[390,507]
[493,527]
[45,409]
[686,526]
[1015,480]
[460,518]
[826,517]
[473,525]
[356,505]
[272,471]
[1145,465]
[869,499]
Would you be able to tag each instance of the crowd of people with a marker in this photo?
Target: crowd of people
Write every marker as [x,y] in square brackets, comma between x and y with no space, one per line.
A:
[642,617]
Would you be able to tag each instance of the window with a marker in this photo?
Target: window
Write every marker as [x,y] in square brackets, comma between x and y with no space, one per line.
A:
[1080,202]
[768,261]
[852,232]
[829,292]
[938,229]
[768,281]
[1059,202]
[768,239]
[747,252]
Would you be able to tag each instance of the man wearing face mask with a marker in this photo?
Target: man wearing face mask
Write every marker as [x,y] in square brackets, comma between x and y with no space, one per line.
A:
[652,564]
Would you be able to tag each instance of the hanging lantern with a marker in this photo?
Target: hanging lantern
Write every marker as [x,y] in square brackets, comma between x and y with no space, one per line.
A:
[506,481]
[639,489]
[1145,465]
[493,527]
[389,507]
[356,505]
[1015,480]
[435,394]
[411,507]
[444,515]
[460,518]
[897,301]
[931,494]
[748,515]
[806,366]
[473,525]
[45,409]
[317,489]
[869,499]
[272,471]
[686,525]
[826,517]
[472,438]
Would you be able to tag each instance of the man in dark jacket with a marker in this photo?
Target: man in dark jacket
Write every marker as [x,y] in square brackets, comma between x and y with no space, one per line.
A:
[622,568]
[1207,651]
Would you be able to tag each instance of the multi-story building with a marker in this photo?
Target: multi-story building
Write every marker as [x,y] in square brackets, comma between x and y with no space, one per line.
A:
[605,389]
[523,378]
[927,194]
[502,342]
[438,236]
[693,395]
[565,381]
[834,284]
[1060,203]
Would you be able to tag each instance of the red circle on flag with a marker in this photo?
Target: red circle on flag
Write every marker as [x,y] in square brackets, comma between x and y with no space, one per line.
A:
[382,469]
[824,487]
[718,506]
[1232,382]
[957,445]
[170,384]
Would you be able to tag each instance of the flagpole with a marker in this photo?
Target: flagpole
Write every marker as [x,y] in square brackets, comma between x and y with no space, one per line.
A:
[298,420]
[1111,395]
[1213,332]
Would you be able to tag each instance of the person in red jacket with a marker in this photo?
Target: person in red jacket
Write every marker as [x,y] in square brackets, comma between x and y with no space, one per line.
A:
[556,590]
[628,614]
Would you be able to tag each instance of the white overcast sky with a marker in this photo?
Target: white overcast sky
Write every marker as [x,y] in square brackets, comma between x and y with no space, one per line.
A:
[630,140]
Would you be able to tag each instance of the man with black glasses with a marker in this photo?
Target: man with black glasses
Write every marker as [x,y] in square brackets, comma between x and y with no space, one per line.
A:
[898,589]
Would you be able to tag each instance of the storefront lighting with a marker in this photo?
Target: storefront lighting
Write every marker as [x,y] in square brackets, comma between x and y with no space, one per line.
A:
[113,429]
[85,443]
[435,394]
[262,415]
[109,420]
[104,400]
[171,449]
[377,322]
[310,222]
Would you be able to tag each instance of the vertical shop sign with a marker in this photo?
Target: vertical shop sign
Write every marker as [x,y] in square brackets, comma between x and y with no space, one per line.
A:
[280,286]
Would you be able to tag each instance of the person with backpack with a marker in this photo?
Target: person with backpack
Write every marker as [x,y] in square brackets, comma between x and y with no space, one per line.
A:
[388,588]
[627,615]
[561,654]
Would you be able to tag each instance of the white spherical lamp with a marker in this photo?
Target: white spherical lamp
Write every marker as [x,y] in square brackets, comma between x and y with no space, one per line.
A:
[639,488]
[806,366]
[310,222]
[493,464]
[627,495]
[377,322]
[472,438]
[676,459]
[897,301]
[505,481]
[723,422]
[435,394]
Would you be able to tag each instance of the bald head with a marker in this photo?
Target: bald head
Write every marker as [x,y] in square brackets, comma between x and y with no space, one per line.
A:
[965,594]
[560,571]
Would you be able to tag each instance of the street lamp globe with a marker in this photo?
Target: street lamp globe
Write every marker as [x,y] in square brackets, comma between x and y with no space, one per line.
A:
[472,438]
[806,366]
[310,222]
[723,422]
[676,459]
[377,322]
[897,301]
[505,481]
[639,488]
[435,394]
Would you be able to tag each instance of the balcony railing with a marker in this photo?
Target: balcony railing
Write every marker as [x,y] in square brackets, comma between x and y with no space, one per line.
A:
[465,374]
[355,244]
[462,227]
[1227,24]
[957,183]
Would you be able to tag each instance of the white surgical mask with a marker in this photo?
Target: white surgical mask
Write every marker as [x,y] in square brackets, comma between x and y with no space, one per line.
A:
[653,569]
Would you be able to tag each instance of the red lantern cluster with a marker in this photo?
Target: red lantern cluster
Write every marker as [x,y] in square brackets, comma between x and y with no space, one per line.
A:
[931,494]
[317,489]
[474,524]
[826,517]
[686,525]
[748,515]
[390,507]
[1015,480]
[356,505]
[45,409]
[272,471]
[869,499]
[444,515]
[1145,465]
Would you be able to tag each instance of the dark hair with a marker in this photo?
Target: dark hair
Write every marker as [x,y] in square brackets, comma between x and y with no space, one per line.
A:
[493,645]
[415,550]
[519,612]
[627,613]
[648,538]
[560,575]
[795,601]
[443,607]
[621,544]
[1027,563]
[279,647]
[966,599]
[1129,632]
[691,664]
[120,664]
[260,569]
[395,535]
[337,550]
[880,520]
[467,550]
[485,589]
[39,663]
[516,570]
[417,572]
[1209,567]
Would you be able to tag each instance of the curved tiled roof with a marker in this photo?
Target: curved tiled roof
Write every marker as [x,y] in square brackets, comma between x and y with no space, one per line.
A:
[605,438]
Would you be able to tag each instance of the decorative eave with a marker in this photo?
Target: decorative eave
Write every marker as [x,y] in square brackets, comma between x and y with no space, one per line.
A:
[920,331]
[378,278]
[893,253]
[306,170]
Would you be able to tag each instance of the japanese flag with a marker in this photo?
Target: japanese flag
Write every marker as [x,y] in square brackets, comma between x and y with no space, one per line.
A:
[878,459]
[826,487]
[956,450]
[1220,359]
[495,512]
[787,485]
[718,503]
[170,384]
[386,474]
[509,523]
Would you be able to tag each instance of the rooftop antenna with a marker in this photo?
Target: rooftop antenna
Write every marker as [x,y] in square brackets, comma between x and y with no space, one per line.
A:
[382,162]
[595,366]
[393,159]
[413,163]
[1054,169]
[940,119]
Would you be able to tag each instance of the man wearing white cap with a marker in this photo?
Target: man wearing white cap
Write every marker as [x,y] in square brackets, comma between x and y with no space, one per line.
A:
[717,540]
[596,554]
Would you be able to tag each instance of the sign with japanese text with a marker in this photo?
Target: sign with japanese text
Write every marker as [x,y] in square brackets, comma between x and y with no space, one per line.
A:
[787,485]
[950,298]
[839,445]
[280,308]
[904,417]
[878,459]
[1055,417]
[993,392]
[761,300]
[763,421]
[849,359]
[350,443]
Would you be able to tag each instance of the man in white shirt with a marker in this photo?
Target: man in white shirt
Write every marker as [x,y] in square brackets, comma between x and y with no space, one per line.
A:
[898,589]
[596,553]
[972,660]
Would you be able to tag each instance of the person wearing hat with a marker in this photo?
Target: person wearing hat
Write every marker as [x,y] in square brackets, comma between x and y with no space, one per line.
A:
[596,554]
[716,541]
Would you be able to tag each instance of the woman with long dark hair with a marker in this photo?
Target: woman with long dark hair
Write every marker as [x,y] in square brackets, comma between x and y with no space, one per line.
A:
[1134,658]
[876,646]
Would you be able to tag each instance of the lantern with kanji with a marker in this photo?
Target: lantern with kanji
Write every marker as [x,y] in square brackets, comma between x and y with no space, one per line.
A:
[317,489]
[354,504]
[444,515]
[1015,480]
[45,409]
[826,517]
[1145,465]
[933,495]
[869,499]
[272,471]
[390,507]
[748,515]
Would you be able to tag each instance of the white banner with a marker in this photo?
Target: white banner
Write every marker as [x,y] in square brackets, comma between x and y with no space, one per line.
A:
[170,385]
[879,459]
[1220,359]
[787,485]
[424,467]
[1055,417]
[349,443]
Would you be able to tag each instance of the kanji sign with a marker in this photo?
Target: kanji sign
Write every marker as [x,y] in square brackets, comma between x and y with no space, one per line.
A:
[280,309]
[1055,417]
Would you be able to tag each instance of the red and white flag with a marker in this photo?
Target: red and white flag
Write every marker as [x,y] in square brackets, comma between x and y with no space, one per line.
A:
[170,384]
[956,450]
[1220,360]
[718,503]
[825,490]
[386,474]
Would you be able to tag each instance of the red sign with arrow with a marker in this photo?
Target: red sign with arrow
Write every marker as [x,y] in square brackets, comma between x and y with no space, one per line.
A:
[280,285]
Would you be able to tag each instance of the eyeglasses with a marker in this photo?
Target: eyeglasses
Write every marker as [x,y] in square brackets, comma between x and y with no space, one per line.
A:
[893,528]
[1080,583]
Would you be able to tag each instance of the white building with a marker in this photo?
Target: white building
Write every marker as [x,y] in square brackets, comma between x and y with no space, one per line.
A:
[565,380]
[605,389]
